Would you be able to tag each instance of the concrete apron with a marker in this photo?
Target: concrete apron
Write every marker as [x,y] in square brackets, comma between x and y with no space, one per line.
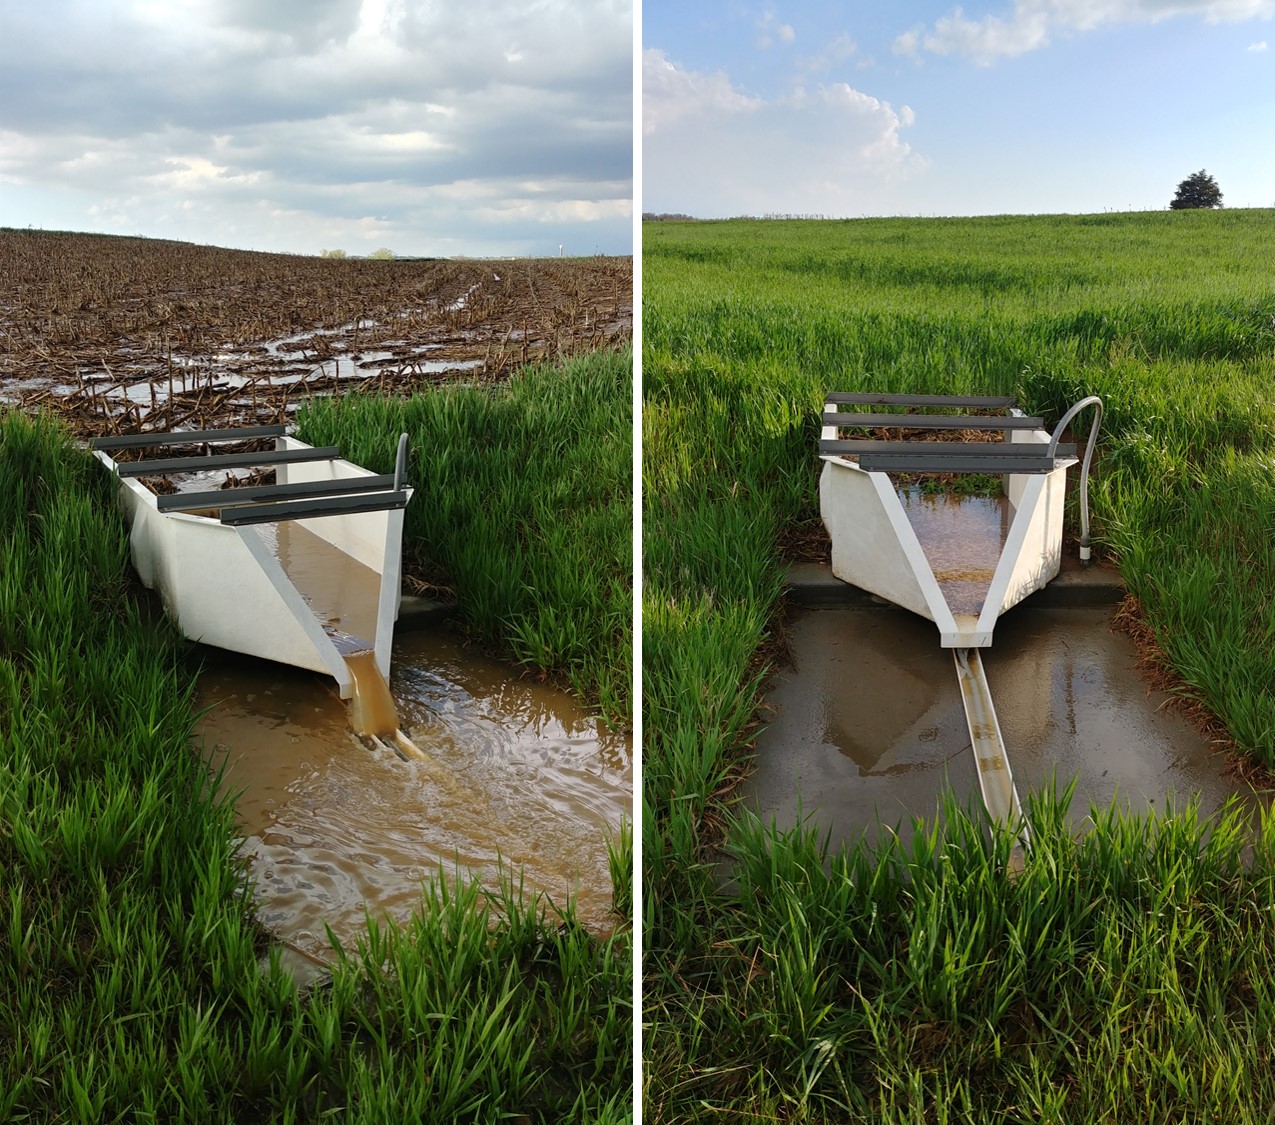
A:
[868,724]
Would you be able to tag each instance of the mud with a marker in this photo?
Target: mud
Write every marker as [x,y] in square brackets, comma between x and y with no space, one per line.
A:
[514,773]
[868,724]
[123,334]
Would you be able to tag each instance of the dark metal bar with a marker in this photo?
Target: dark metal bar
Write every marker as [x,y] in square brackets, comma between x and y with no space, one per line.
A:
[898,463]
[961,448]
[225,461]
[310,509]
[932,421]
[251,494]
[184,437]
[992,401]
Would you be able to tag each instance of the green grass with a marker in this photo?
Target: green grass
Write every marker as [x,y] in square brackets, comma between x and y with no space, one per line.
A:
[134,983]
[745,327]
[1124,976]
[523,500]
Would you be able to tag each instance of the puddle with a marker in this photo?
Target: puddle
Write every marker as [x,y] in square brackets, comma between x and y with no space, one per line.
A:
[869,724]
[514,770]
[962,537]
[322,359]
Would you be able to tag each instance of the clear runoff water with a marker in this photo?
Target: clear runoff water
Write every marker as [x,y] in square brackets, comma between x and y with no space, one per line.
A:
[962,537]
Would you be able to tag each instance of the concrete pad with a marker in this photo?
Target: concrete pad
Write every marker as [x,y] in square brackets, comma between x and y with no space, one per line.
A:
[869,724]
[814,586]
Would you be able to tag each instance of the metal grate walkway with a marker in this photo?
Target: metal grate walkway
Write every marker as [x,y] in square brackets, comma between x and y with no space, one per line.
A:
[861,414]
[248,505]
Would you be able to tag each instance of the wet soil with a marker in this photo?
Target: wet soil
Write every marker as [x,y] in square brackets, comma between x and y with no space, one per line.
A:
[123,334]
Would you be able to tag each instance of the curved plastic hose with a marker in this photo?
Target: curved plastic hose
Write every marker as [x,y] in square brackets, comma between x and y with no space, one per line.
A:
[1092,400]
[400,463]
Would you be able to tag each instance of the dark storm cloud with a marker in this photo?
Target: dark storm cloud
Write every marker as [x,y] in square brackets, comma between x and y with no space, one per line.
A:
[367,114]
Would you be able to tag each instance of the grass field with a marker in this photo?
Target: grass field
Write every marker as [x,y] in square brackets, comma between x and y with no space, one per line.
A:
[922,987]
[523,506]
[136,983]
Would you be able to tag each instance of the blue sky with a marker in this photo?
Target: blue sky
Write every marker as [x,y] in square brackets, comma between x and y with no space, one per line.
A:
[919,108]
[491,127]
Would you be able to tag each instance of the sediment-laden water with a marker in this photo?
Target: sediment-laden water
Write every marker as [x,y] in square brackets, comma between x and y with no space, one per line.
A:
[515,772]
[510,770]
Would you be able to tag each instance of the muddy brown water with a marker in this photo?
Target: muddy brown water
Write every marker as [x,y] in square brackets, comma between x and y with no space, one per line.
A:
[868,725]
[512,771]
[515,772]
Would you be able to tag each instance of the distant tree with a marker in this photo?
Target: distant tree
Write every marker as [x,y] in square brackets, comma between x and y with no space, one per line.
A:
[382,255]
[333,254]
[1197,190]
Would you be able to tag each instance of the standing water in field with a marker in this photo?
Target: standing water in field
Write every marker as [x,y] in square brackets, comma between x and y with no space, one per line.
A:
[515,774]
[869,725]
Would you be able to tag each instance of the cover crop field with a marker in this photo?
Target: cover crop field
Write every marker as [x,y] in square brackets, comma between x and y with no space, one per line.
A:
[1121,977]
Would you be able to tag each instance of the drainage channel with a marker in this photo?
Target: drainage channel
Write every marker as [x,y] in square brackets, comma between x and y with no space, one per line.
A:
[442,760]
[870,693]
[961,573]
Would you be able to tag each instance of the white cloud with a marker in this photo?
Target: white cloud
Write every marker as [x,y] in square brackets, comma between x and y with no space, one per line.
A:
[195,173]
[670,93]
[1030,24]
[1258,46]
[711,150]
[833,54]
[320,111]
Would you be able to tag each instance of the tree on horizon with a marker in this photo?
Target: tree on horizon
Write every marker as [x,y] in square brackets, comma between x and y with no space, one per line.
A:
[1198,190]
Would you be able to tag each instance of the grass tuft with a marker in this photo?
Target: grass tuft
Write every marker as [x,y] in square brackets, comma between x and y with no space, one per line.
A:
[523,501]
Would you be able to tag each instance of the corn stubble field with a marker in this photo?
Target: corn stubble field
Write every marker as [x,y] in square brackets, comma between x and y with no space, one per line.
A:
[1126,974]
[116,332]
[135,981]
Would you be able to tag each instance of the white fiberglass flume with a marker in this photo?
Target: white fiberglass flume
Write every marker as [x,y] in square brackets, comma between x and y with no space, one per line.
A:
[208,551]
[877,546]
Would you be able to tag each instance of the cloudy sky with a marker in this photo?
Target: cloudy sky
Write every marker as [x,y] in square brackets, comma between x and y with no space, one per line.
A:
[431,127]
[925,108]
